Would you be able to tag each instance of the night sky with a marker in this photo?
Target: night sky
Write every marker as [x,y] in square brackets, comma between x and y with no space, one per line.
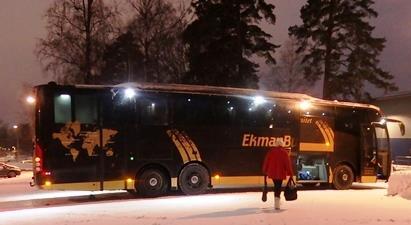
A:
[22,23]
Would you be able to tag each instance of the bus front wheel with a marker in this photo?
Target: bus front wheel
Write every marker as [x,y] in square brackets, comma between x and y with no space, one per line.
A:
[343,177]
[152,183]
[194,179]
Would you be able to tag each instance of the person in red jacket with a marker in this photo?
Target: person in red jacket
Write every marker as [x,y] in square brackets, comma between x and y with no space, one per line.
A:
[277,166]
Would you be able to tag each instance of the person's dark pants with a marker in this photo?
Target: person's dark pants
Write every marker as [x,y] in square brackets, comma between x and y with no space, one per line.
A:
[277,187]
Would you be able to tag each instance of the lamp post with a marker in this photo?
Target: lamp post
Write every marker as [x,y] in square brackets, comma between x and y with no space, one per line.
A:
[15,127]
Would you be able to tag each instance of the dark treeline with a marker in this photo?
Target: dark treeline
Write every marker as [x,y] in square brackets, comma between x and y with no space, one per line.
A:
[214,42]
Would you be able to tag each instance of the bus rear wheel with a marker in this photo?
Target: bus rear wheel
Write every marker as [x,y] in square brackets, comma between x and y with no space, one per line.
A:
[152,183]
[343,177]
[194,179]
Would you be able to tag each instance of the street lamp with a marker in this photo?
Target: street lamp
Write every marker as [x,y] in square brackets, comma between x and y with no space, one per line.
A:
[15,127]
[30,100]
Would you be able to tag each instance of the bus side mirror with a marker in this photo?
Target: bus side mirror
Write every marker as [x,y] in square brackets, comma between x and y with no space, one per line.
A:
[401,124]
[402,129]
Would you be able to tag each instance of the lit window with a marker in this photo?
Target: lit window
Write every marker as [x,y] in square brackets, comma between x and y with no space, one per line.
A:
[62,108]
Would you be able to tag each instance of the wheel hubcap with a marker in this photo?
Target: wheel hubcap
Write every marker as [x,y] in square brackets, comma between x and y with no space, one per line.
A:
[153,182]
[345,177]
[194,179]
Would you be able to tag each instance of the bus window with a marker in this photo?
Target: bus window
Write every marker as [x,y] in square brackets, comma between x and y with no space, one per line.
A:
[153,111]
[283,115]
[193,110]
[85,109]
[62,108]
[348,120]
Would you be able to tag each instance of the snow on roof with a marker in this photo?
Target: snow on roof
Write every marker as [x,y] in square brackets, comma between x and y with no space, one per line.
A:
[205,89]
[215,90]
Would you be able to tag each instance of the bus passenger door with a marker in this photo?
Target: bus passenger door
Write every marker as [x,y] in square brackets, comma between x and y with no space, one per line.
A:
[375,157]
[383,163]
[368,154]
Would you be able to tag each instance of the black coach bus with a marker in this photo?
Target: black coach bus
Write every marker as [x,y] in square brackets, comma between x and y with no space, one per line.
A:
[150,138]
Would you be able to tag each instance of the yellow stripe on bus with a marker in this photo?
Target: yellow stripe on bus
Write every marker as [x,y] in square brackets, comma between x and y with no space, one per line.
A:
[180,148]
[241,181]
[328,132]
[322,130]
[90,186]
[194,148]
[186,145]
[328,135]
[315,147]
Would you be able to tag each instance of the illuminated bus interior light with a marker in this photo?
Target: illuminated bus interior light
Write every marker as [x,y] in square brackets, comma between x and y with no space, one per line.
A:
[129,180]
[47,183]
[217,177]
[65,97]
[129,93]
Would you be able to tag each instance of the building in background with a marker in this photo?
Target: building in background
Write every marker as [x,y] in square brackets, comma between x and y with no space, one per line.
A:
[398,106]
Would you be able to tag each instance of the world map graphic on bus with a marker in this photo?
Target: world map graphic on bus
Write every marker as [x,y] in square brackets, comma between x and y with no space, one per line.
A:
[71,133]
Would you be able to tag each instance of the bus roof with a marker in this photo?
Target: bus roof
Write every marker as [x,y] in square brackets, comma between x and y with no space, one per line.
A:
[205,89]
[215,90]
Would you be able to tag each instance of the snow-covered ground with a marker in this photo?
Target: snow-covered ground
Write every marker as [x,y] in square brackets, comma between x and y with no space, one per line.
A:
[364,204]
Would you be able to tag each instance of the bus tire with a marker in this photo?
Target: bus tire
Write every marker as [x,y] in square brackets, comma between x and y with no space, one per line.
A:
[343,177]
[194,179]
[152,183]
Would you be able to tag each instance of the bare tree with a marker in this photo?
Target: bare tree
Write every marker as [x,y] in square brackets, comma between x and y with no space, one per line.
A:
[78,31]
[288,74]
[157,27]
